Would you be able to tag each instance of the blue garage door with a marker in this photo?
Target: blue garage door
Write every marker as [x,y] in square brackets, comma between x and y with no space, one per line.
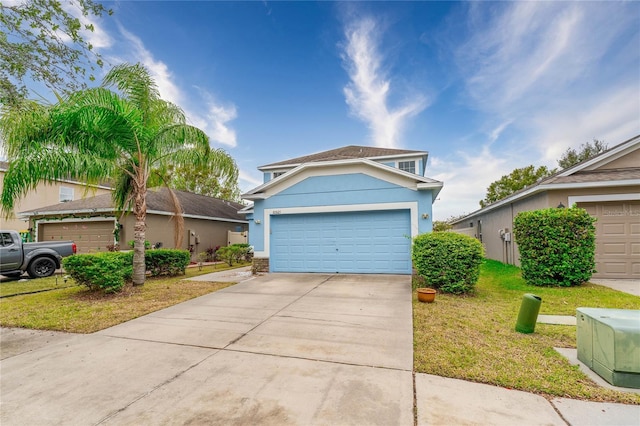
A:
[355,242]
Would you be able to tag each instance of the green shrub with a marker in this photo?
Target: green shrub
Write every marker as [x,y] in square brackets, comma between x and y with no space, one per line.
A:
[557,246]
[169,262]
[109,271]
[448,261]
[235,253]
[147,244]
[106,271]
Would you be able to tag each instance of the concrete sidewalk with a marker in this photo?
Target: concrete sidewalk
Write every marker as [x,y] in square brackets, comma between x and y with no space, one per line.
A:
[274,349]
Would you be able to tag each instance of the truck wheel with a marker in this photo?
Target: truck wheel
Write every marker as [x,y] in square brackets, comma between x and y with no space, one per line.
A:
[41,267]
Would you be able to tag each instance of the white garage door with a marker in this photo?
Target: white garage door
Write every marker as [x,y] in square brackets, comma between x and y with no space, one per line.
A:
[617,238]
[353,242]
[89,236]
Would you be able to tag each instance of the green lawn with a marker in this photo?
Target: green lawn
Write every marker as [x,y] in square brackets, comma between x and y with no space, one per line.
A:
[473,337]
[76,309]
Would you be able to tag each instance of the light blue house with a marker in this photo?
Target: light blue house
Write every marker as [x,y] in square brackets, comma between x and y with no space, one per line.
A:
[348,210]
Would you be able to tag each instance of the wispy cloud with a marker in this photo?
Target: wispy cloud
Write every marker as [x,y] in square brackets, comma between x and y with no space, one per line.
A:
[525,59]
[367,94]
[216,117]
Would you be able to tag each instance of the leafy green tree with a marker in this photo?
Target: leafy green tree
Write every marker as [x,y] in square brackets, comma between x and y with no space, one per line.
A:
[441,226]
[98,134]
[214,179]
[42,40]
[514,181]
[587,150]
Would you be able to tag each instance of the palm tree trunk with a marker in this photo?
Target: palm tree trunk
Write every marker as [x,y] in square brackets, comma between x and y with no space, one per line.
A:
[139,233]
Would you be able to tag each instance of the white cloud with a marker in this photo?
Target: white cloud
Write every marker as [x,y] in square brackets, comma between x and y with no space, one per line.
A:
[367,94]
[466,177]
[214,118]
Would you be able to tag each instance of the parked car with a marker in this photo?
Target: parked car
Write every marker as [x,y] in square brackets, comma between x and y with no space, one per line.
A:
[38,259]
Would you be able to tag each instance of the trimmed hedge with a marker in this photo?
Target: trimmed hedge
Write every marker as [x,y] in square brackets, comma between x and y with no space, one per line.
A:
[109,271]
[169,262]
[448,261]
[557,246]
[235,253]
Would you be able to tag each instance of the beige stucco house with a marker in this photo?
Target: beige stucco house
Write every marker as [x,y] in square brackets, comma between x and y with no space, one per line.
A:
[94,225]
[46,194]
[607,186]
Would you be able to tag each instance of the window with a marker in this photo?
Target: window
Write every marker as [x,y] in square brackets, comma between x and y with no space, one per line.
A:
[276,174]
[5,239]
[407,166]
[66,194]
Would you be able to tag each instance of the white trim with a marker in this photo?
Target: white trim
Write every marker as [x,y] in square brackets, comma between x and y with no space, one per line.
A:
[540,188]
[610,155]
[193,216]
[416,154]
[110,210]
[38,222]
[412,206]
[34,212]
[602,198]
[328,168]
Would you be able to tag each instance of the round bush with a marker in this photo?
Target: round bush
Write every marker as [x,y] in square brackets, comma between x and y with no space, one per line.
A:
[448,261]
[557,246]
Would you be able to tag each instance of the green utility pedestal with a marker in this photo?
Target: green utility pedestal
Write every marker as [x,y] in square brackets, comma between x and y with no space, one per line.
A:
[528,315]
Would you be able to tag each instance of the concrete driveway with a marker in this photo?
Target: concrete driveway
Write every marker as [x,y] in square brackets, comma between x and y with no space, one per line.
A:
[275,349]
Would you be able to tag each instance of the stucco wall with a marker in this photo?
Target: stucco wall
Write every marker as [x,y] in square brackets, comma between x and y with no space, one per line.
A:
[161,228]
[631,159]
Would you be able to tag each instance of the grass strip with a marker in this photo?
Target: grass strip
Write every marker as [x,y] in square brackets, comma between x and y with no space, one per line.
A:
[473,337]
[78,310]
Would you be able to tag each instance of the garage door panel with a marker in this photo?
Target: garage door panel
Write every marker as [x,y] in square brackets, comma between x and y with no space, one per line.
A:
[353,242]
[617,236]
[90,236]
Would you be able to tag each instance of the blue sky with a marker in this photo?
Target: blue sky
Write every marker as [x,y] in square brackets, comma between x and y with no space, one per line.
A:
[484,87]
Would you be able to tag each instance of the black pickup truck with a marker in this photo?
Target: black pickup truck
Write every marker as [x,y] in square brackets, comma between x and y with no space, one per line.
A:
[38,259]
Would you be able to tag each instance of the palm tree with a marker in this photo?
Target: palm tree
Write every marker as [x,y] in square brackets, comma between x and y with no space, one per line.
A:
[98,134]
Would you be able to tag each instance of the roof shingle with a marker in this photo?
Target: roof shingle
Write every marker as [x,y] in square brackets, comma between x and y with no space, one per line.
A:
[345,153]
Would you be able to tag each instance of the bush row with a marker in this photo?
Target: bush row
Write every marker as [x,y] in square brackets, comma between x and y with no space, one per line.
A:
[110,271]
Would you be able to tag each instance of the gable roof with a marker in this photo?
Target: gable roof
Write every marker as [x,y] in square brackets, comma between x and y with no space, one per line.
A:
[158,202]
[345,153]
[580,175]
[420,182]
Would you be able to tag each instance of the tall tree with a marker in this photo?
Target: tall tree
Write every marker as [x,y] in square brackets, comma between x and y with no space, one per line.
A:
[587,150]
[42,40]
[514,181]
[212,179]
[98,134]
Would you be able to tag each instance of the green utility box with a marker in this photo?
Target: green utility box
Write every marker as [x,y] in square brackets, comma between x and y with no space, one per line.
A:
[528,315]
[608,342]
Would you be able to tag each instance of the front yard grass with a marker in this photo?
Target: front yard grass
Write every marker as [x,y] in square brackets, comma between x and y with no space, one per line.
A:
[76,309]
[473,337]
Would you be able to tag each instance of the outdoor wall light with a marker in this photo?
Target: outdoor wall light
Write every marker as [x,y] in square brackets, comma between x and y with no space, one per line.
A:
[561,206]
[256,221]
[425,215]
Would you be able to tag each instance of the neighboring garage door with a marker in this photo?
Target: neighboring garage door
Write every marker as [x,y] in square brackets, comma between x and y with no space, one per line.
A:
[354,242]
[88,236]
[617,238]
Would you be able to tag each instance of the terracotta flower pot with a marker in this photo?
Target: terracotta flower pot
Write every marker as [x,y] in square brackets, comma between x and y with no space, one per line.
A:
[427,295]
